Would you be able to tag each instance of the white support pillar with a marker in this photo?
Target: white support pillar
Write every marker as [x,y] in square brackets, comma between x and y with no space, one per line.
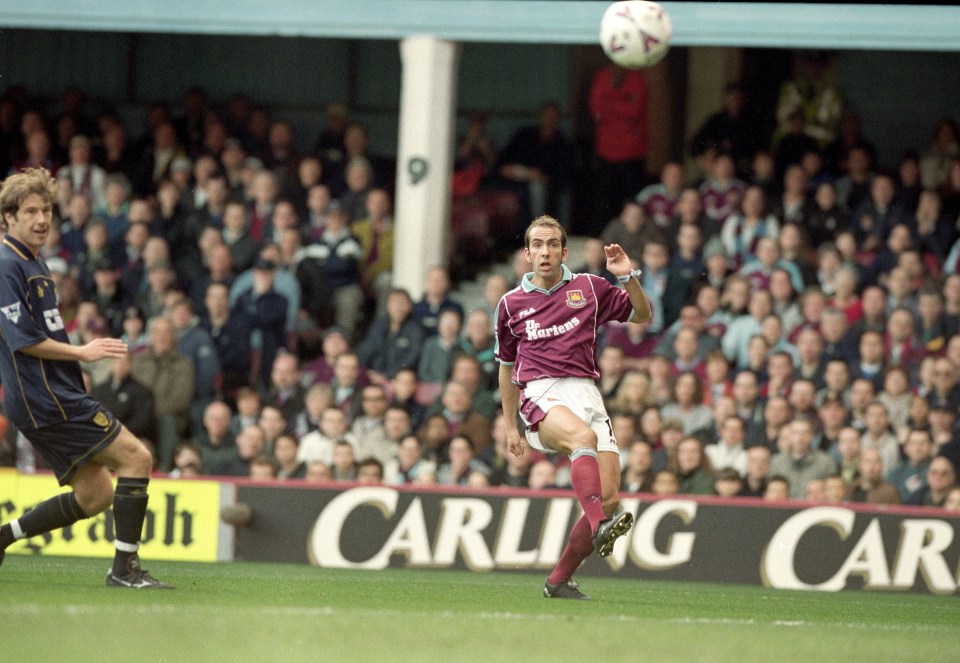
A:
[424,158]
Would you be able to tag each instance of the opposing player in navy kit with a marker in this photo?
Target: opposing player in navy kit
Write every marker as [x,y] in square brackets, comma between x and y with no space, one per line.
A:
[44,394]
[546,344]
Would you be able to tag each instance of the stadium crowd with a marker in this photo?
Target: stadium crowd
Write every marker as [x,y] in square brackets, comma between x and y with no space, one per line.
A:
[805,342]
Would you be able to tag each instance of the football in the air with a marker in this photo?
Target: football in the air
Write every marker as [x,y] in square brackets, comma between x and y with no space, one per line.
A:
[635,33]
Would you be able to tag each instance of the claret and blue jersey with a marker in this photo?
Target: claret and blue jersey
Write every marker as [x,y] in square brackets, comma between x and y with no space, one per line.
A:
[553,333]
[37,392]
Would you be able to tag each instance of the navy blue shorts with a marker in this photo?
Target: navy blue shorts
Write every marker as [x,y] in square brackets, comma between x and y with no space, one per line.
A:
[68,445]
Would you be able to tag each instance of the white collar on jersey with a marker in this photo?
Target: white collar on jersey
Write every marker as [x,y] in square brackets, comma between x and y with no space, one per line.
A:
[527,281]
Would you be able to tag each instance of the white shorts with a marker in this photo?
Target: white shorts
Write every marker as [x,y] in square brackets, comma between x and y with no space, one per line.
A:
[579,395]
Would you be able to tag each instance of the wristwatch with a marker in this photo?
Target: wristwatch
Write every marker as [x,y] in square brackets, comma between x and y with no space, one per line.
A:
[635,274]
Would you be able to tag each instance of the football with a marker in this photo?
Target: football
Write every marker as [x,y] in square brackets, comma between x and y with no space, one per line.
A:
[635,33]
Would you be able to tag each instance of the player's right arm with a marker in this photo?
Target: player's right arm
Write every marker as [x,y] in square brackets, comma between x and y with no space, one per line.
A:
[505,350]
[510,401]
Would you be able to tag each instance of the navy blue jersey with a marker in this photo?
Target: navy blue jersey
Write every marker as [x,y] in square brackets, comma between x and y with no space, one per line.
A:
[36,392]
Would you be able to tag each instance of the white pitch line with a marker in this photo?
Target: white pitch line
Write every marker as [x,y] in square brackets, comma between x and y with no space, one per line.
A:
[34,609]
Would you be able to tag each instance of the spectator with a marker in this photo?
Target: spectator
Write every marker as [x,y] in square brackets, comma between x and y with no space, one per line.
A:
[871,488]
[911,476]
[461,419]
[160,281]
[285,390]
[727,483]
[130,401]
[436,300]
[195,343]
[632,395]
[618,106]
[793,205]
[328,270]
[937,158]
[215,442]
[170,376]
[394,339]
[462,463]
[632,229]
[495,287]
[409,462]
[666,483]
[316,399]
[743,229]
[318,472]
[777,490]
[737,337]
[437,350]
[186,462]
[688,210]
[230,332]
[368,427]
[273,424]
[358,177]
[816,491]
[346,383]
[941,478]
[158,157]
[344,466]
[333,343]
[687,404]
[285,450]
[731,129]
[758,468]
[875,216]
[537,165]
[665,287]
[403,394]
[827,216]
[237,237]
[728,451]
[801,463]
[595,262]
[85,176]
[319,444]
[871,363]
[478,342]
[250,444]
[375,234]
[636,476]
[611,368]
[267,309]
[370,470]
[219,271]
[721,195]
[835,490]
[693,468]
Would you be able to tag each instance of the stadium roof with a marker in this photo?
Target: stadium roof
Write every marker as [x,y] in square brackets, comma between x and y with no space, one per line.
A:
[744,24]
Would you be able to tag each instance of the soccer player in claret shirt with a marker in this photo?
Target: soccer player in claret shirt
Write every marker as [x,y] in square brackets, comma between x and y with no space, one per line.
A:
[546,344]
[44,394]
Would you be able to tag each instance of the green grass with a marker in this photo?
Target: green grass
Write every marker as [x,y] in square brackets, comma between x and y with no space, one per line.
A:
[58,609]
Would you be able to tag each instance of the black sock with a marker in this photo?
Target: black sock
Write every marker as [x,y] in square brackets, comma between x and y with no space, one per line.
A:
[6,536]
[129,510]
[54,513]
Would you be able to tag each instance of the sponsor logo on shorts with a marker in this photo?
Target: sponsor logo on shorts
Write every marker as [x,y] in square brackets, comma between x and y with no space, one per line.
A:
[12,312]
[575,299]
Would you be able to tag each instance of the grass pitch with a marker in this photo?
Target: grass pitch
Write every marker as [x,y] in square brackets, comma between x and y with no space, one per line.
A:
[59,609]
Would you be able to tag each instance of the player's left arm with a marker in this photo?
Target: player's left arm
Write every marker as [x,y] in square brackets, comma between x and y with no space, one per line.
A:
[95,350]
[618,264]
